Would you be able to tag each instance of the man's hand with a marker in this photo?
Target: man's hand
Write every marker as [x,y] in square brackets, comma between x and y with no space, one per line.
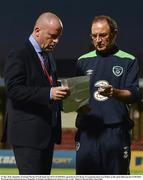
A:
[119,94]
[60,93]
[106,90]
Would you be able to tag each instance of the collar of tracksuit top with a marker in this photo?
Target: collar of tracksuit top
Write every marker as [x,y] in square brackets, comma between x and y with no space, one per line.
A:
[111,51]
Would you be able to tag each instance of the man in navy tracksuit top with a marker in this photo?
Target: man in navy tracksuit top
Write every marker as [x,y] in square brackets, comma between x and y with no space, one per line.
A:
[103,137]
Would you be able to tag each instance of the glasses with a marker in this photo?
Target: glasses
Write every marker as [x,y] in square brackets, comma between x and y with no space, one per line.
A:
[100,36]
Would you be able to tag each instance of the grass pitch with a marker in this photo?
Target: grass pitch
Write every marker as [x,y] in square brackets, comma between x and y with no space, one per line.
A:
[62,171]
[14,171]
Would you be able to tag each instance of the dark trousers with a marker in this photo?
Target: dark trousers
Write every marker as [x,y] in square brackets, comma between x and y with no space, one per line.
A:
[104,150]
[32,161]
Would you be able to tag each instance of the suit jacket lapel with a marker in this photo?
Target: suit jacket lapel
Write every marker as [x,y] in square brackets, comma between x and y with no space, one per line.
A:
[36,61]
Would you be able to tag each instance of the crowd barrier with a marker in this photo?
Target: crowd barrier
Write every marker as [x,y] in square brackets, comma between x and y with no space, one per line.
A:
[66,159]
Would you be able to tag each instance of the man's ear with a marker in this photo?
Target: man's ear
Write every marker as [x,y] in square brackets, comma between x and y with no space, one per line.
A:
[114,34]
[37,31]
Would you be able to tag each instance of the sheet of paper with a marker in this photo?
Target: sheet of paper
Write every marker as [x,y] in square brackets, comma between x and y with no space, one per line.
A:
[79,87]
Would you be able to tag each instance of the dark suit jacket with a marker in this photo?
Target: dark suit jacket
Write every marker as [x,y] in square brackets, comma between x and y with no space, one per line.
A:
[32,118]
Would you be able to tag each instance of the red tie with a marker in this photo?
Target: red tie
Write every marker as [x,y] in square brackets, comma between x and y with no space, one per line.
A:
[46,66]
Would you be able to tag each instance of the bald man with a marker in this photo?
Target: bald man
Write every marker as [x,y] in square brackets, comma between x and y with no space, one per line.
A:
[33,119]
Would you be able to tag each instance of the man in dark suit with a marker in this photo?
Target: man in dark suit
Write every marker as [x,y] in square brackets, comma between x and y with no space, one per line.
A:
[33,119]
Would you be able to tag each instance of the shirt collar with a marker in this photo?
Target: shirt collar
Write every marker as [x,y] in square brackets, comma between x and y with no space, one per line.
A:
[35,44]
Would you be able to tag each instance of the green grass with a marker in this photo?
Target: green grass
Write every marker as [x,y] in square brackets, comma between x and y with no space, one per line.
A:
[8,171]
[14,171]
[63,172]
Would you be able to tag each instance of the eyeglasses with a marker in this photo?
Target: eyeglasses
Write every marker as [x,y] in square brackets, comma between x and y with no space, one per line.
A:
[100,36]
